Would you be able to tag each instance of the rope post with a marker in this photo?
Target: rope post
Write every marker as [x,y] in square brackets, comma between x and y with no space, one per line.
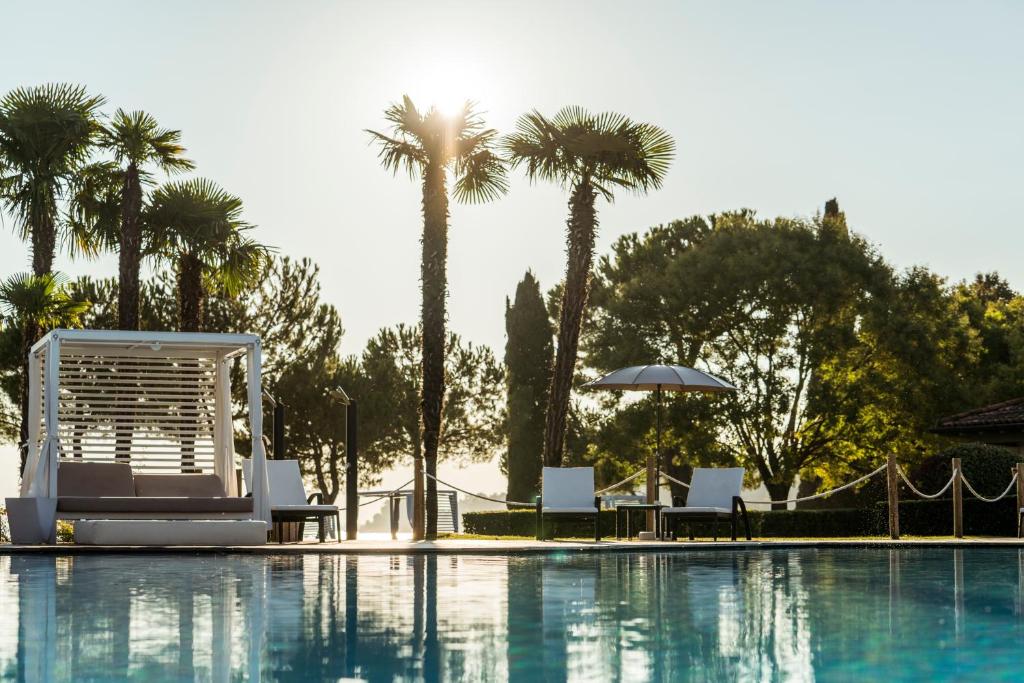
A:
[892,479]
[1020,486]
[958,500]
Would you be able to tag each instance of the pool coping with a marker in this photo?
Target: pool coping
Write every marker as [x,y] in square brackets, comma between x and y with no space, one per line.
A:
[497,547]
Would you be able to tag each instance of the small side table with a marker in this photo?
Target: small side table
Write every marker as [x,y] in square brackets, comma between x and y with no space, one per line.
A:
[625,508]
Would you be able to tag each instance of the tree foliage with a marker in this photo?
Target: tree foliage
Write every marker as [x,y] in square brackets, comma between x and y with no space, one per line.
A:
[528,354]
[385,379]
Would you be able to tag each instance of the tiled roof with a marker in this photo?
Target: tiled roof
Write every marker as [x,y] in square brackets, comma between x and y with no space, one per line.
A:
[1005,415]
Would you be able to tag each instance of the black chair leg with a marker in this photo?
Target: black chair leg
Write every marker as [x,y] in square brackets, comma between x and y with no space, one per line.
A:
[597,527]
[733,525]
[321,528]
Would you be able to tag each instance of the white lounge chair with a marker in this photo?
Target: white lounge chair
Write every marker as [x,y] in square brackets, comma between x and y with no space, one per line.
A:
[568,492]
[714,495]
[288,499]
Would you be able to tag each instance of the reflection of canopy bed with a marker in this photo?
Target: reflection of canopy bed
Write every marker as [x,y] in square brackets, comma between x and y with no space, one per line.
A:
[160,401]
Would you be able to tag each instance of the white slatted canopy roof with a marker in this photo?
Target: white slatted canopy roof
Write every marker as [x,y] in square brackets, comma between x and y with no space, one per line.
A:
[158,400]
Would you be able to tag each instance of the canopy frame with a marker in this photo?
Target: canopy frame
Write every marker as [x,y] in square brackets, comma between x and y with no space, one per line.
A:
[142,398]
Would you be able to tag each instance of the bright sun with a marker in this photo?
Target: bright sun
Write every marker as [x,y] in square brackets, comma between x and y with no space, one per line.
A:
[446,86]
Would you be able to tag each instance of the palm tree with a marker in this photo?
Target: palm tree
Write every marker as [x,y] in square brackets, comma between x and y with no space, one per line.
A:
[46,133]
[430,145]
[590,155]
[198,227]
[34,302]
[136,141]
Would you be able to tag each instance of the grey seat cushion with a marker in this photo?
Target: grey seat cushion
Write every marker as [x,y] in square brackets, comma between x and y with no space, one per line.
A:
[94,479]
[179,485]
[152,504]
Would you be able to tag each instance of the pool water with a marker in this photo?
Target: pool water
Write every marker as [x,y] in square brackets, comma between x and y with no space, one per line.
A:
[707,615]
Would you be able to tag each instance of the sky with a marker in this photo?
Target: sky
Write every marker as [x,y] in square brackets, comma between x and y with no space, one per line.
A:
[908,112]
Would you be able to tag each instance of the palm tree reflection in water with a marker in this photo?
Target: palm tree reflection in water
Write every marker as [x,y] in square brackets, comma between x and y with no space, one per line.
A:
[763,615]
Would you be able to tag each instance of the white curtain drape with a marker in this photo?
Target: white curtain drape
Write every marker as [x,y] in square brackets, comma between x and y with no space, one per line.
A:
[44,480]
[223,432]
[260,485]
[35,409]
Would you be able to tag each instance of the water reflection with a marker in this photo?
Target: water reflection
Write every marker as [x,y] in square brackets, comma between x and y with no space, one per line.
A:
[695,616]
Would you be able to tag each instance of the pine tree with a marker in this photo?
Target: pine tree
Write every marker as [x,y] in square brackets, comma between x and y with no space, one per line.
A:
[528,359]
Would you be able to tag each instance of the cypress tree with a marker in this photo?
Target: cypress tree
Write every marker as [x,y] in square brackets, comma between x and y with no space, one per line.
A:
[529,355]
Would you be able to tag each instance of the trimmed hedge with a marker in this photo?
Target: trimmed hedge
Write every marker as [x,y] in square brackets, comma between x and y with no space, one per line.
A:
[918,518]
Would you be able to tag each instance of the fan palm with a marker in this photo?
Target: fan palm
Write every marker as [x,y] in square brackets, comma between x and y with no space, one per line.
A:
[46,133]
[136,141]
[591,155]
[198,227]
[32,302]
[431,145]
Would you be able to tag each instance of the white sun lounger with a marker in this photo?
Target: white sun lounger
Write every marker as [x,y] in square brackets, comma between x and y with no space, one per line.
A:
[288,499]
[568,492]
[714,495]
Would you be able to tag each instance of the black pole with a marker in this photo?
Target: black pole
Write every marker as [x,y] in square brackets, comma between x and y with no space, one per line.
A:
[657,452]
[351,472]
[278,431]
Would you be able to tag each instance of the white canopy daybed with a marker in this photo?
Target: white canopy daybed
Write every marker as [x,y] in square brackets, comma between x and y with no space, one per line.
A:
[160,401]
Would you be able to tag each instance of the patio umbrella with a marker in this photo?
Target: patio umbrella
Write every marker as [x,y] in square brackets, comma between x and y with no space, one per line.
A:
[658,378]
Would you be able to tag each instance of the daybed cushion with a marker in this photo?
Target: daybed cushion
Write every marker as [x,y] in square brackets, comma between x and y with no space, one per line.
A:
[153,504]
[170,532]
[179,485]
[569,511]
[94,479]
[696,511]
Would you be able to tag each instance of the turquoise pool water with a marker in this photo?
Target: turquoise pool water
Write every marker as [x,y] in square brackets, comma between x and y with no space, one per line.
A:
[808,614]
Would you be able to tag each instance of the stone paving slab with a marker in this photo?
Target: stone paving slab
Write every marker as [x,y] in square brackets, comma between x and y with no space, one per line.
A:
[504,547]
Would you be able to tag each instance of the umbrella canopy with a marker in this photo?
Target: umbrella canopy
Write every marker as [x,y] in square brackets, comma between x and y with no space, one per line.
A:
[658,378]
[665,377]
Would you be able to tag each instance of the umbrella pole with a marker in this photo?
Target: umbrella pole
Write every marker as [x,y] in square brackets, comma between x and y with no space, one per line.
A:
[654,462]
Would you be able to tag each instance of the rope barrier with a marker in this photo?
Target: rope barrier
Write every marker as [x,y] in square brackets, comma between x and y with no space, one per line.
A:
[624,481]
[477,495]
[1013,480]
[914,489]
[818,495]
[379,498]
[671,478]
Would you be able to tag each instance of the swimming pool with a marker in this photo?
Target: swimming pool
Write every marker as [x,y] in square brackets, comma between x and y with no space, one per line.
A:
[785,614]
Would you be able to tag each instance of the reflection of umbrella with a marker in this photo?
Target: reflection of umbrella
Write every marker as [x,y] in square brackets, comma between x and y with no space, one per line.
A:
[656,378]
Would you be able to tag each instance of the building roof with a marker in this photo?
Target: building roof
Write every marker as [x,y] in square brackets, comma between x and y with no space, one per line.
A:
[1005,416]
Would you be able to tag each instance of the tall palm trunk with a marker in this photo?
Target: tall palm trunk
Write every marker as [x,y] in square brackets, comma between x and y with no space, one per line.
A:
[44,248]
[190,312]
[129,263]
[582,228]
[129,251]
[44,240]
[435,284]
[29,332]
[190,293]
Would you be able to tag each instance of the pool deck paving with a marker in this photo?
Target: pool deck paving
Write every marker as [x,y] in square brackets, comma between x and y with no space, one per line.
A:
[511,546]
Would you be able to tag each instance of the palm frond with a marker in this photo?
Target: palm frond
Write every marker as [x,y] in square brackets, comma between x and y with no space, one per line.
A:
[94,209]
[41,299]
[136,138]
[480,177]
[608,150]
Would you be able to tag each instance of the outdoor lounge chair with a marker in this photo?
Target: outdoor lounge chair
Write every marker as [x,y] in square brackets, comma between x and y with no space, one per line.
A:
[714,495]
[568,492]
[288,500]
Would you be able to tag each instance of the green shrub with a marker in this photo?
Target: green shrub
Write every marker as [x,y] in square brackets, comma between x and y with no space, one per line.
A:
[5,537]
[987,468]
[917,518]
[65,531]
